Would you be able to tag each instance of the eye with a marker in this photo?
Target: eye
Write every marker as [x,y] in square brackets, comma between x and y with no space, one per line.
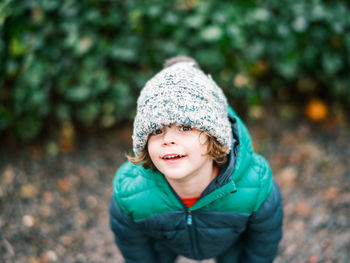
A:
[157,131]
[185,128]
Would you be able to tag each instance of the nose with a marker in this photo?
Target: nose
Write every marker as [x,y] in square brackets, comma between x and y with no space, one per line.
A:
[168,137]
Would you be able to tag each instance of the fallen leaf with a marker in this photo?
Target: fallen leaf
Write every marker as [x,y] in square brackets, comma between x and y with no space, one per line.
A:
[64,185]
[51,255]
[331,193]
[303,208]
[310,150]
[8,175]
[33,260]
[45,211]
[66,240]
[48,197]
[48,256]
[299,227]
[66,203]
[28,221]
[81,218]
[291,249]
[28,191]
[92,202]
[287,176]
[313,259]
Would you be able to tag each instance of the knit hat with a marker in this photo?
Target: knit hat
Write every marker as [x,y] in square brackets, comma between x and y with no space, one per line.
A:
[181,94]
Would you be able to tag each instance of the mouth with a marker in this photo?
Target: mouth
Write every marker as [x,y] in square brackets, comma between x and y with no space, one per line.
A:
[172,156]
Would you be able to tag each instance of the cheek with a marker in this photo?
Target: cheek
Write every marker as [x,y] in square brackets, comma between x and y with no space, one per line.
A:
[152,149]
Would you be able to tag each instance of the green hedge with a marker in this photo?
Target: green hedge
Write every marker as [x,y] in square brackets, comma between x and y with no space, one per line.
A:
[86,61]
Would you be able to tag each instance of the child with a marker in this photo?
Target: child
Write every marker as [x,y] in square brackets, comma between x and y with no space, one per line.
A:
[195,187]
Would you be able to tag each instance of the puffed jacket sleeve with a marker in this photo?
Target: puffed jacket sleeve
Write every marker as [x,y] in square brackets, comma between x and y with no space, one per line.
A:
[264,230]
[133,244]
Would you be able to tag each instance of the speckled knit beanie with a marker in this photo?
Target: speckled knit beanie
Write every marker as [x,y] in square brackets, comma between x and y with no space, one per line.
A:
[181,94]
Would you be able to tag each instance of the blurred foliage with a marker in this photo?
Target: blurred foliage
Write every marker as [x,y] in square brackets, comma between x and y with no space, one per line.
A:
[86,61]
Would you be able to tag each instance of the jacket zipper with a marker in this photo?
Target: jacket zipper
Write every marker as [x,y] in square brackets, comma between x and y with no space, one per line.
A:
[189,218]
[189,223]
[192,234]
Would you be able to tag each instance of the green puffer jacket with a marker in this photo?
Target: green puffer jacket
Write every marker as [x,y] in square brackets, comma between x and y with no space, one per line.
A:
[240,212]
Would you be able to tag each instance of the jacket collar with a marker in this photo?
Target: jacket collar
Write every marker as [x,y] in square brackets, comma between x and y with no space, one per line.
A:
[238,160]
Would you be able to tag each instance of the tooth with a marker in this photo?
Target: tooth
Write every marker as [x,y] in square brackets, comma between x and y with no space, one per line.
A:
[173,156]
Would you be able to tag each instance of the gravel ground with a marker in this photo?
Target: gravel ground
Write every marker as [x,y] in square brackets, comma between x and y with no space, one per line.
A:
[53,205]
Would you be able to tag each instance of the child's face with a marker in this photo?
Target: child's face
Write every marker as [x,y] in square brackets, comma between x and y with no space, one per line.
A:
[179,152]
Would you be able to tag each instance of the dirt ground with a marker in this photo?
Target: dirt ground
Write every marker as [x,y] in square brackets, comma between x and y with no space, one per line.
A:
[54,205]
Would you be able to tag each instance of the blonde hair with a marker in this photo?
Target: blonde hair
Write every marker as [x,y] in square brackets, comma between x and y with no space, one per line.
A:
[214,149]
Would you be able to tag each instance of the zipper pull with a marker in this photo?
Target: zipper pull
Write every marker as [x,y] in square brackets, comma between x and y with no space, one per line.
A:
[189,218]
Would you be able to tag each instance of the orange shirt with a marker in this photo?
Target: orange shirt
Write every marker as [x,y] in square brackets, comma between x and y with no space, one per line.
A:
[190,201]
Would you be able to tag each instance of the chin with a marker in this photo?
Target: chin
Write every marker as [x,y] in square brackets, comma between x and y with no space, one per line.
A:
[174,175]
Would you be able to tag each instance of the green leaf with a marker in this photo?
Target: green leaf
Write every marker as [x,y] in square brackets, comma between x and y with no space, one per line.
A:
[211,33]
[49,5]
[212,58]
[171,18]
[84,44]
[26,129]
[135,17]
[5,118]
[154,11]
[194,21]
[127,54]
[78,93]
[288,66]
[12,67]
[300,24]
[63,112]
[331,63]
[255,50]
[17,47]
[283,30]
[318,12]
[88,113]
[259,15]
[237,36]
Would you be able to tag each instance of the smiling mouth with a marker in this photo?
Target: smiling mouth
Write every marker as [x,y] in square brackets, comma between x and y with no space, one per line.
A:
[172,156]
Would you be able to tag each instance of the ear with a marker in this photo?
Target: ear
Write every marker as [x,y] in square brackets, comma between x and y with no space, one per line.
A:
[203,138]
